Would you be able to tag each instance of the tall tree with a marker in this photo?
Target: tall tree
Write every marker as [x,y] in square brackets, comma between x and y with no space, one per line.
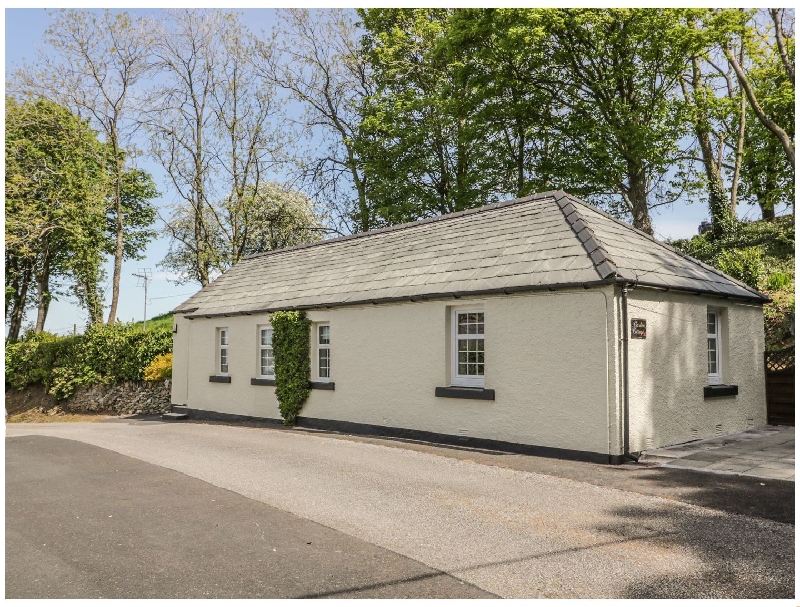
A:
[716,119]
[616,72]
[93,64]
[269,217]
[505,57]
[424,147]
[211,118]
[56,184]
[783,54]
[316,56]
[767,175]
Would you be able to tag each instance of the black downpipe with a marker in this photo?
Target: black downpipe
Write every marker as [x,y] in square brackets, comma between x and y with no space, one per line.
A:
[626,451]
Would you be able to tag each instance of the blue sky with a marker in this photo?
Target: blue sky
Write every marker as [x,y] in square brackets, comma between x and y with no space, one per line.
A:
[24,29]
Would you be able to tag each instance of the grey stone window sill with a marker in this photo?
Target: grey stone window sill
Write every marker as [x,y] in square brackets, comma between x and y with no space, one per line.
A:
[322,385]
[458,392]
[261,381]
[720,390]
[220,379]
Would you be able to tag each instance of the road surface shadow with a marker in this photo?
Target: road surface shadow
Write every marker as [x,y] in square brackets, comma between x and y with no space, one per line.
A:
[751,560]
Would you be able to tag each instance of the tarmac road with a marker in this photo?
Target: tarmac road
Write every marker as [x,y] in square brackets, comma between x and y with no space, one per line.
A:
[395,514]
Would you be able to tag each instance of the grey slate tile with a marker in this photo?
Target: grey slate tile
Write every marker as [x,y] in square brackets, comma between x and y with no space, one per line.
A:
[527,243]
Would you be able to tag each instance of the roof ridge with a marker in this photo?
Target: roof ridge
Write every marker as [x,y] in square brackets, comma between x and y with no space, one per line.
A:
[669,248]
[603,264]
[412,224]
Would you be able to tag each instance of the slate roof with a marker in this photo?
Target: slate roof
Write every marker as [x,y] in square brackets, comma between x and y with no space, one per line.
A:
[545,241]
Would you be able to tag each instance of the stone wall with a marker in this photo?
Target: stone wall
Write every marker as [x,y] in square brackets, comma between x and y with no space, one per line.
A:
[121,399]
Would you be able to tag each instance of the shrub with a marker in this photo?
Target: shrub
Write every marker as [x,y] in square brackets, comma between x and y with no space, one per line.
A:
[160,368]
[779,280]
[290,343]
[105,354]
[745,265]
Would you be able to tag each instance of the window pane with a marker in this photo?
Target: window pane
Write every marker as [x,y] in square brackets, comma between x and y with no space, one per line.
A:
[324,334]
[712,355]
[462,345]
[712,324]
[223,338]
[266,337]
[324,362]
[462,357]
[267,362]
[480,369]
[462,368]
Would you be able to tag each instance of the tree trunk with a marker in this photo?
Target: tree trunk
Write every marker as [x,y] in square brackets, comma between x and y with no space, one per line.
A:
[18,303]
[718,204]
[779,38]
[43,286]
[119,249]
[737,169]
[769,124]
[765,200]
[520,159]
[637,194]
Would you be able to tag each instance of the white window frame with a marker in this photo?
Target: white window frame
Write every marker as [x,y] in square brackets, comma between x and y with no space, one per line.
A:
[226,347]
[319,347]
[456,379]
[714,378]
[260,351]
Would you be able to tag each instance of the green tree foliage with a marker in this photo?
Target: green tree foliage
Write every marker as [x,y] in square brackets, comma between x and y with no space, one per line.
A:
[502,53]
[264,218]
[616,74]
[424,147]
[473,104]
[137,190]
[92,64]
[56,186]
[767,177]
[105,353]
[291,336]
[760,254]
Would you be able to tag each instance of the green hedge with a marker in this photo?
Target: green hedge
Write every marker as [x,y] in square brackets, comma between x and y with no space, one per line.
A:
[290,343]
[104,354]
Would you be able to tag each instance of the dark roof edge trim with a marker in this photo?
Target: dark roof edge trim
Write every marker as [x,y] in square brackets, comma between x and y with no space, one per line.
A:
[761,299]
[673,250]
[616,280]
[603,264]
[412,224]
[414,298]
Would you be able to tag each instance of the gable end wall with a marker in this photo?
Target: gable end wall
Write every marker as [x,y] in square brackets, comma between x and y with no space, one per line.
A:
[668,369]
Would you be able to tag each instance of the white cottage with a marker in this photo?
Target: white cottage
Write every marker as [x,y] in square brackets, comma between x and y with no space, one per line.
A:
[541,325]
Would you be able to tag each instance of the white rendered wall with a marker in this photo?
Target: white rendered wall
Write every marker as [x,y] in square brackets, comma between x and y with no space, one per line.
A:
[668,369]
[547,359]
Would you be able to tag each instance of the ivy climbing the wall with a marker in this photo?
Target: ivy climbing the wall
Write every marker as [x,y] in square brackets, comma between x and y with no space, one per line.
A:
[290,344]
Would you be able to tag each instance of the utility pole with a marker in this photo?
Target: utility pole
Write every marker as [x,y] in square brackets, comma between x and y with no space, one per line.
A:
[144,277]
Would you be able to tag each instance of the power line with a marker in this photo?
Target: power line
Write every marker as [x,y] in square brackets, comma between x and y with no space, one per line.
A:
[176,295]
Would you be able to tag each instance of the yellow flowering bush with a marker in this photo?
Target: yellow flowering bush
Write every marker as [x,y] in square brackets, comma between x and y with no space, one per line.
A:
[160,368]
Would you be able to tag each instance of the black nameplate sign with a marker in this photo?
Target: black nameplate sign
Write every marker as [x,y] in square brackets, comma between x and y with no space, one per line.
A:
[638,328]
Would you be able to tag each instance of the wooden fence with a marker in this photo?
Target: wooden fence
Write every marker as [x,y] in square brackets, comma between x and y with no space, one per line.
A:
[779,373]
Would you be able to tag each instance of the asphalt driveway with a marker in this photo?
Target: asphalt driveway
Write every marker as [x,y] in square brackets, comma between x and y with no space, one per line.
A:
[84,522]
[501,531]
